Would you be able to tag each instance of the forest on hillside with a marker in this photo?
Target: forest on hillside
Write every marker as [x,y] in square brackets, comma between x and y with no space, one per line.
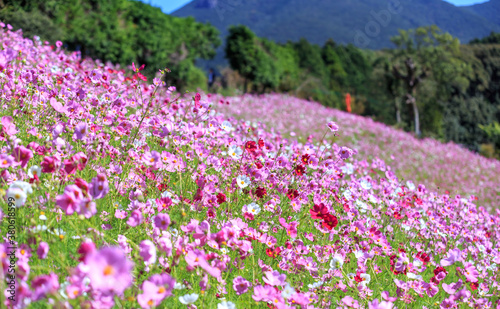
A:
[429,83]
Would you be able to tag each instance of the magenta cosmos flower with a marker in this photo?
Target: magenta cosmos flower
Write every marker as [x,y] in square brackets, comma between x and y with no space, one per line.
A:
[70,200]
[49,164]
[23,155]
[109,270]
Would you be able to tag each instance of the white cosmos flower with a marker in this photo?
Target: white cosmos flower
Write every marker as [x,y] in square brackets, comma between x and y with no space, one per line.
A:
[418,263]
[226,126]
[170,195]
[58,232]
[413,276]
[493,267]
[226,305]
[173,232]
[359,254]
[42,217]
[34,170]
[362,207]
[348,169]
[337,262]
[365,184]
[188,299]
[23,185]
[253,209]
[16,196]
[179,286]
[366,279]
[242,181]
[39,228]
[410,185]
[288,291]
[234,152]
[315,285]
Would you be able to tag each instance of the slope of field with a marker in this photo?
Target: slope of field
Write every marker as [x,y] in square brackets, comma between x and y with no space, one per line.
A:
[448,167]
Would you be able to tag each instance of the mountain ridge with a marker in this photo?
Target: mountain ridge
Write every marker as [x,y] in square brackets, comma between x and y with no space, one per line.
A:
[350,21]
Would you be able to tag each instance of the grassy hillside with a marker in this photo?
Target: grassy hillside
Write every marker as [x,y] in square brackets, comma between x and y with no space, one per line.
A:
[441,167]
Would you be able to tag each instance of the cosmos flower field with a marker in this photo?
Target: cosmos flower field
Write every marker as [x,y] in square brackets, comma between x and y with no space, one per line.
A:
[126,194]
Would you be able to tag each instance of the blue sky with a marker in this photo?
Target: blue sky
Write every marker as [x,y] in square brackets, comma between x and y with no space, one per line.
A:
[169,6]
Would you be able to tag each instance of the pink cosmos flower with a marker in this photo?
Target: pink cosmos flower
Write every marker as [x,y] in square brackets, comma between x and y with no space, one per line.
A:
[274,278]
[147,251]
[44,285]
[162,221]
[8,125]
[387,297]
[241,285]
[202,232]
[375,304]
[156,289]
[333,126]
[80,159]
[430,289]
[57,106]
[109,270]
[470,272]
[70,200]
[135,218]
[291,228]
[163,203]
[345,153]
[81,130]
[83,185]
[99,186]
[452,288]
[263,293]
[350,302]
[43,250]
[87,208]
[447,303]
[69,166]
[121,214]
[452,257]
[86,247]
[6,160]
[95,76]
[197,258]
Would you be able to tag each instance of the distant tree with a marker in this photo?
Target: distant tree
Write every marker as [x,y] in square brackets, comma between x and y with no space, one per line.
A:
[428,52]
[335,71]
[32,23]
[493,38]
[243,53]
[310,59]
[464,118]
